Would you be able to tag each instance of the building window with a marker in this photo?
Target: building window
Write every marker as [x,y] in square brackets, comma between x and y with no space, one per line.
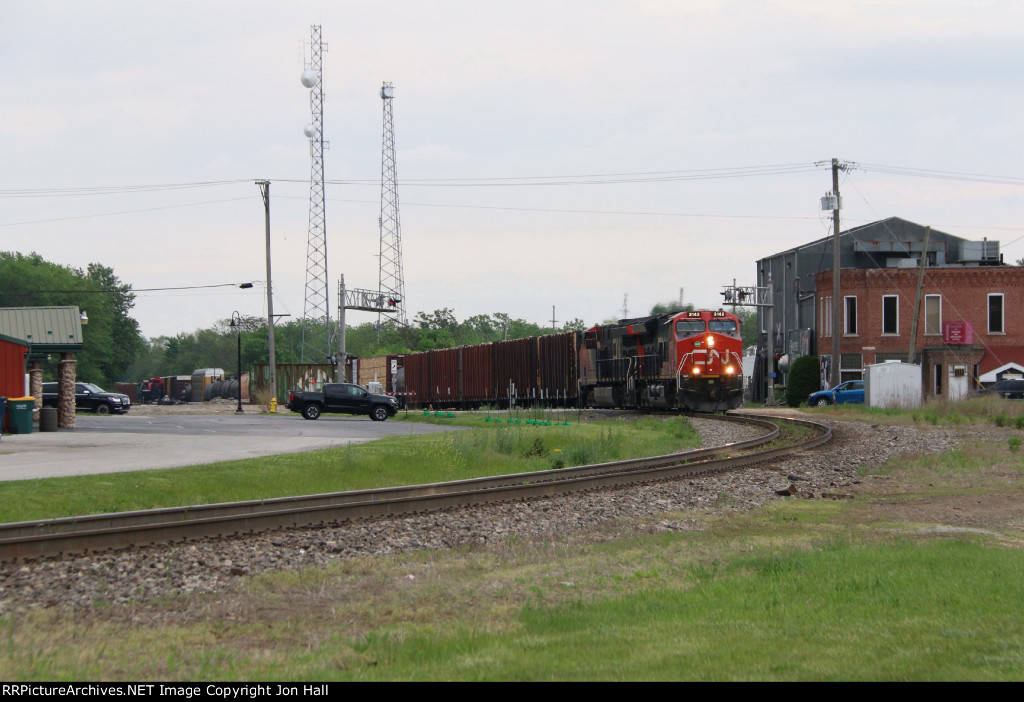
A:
[890,314]
[850,318]
[995,314]
[933,314]
[826,317]
[851,367]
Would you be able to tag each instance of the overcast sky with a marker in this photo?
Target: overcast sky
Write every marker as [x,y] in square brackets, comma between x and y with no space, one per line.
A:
[571,105]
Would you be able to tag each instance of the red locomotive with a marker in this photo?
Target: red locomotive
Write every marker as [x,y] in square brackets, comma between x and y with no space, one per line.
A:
[692,360]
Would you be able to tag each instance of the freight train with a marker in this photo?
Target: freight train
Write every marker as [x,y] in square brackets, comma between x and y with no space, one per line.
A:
[687,360]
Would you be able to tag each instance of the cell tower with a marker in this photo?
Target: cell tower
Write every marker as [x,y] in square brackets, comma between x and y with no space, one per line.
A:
[391,282]
[316,318]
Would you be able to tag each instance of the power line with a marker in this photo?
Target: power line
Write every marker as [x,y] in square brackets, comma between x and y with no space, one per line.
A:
[112,189]
[119,212]
[541,180]
[128,289]
[943,175]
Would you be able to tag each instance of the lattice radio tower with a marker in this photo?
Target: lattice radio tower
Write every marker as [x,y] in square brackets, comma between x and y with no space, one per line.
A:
[391,282]
[316,318]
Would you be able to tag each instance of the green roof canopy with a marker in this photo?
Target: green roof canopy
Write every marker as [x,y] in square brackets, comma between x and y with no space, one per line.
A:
[43,329]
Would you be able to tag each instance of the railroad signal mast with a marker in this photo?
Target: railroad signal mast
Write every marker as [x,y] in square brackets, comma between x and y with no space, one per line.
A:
[757,296]
[746,296]
[366,301]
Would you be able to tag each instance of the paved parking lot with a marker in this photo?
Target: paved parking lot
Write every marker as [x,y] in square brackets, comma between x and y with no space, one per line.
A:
[148,438]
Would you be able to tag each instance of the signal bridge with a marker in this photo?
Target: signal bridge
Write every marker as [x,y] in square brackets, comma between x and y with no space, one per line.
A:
[747,296]
[367,300]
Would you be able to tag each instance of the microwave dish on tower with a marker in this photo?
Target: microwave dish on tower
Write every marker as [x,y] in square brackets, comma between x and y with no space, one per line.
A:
[310,78]
[316,318]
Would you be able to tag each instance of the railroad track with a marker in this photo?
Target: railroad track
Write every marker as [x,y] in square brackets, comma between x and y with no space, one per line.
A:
[93,533]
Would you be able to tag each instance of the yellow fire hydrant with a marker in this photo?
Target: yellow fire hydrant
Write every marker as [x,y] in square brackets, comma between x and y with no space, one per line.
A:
[273,405]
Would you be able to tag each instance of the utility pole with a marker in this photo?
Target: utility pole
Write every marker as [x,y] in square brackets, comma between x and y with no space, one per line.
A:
[917,296]
[272,360]
[833,201]
[836,303]
[553,320]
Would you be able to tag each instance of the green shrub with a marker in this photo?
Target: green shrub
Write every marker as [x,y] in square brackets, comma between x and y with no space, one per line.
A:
[804,379]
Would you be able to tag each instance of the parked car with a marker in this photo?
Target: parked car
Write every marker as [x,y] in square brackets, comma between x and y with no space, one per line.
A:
[852,391]
[343,397]
[1010,389]
[90,397]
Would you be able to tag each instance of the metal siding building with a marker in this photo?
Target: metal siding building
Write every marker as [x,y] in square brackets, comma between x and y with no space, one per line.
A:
[889,243]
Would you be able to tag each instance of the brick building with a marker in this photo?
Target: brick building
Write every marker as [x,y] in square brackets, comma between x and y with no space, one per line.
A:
[968,320]
[969,324]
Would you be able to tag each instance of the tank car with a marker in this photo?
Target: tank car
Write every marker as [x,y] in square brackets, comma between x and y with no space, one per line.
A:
[690,360]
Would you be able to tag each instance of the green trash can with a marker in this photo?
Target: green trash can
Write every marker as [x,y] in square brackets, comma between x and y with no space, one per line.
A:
[3,415]
[19,414]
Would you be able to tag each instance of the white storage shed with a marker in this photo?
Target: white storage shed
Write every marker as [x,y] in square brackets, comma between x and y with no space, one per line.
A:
[892,385]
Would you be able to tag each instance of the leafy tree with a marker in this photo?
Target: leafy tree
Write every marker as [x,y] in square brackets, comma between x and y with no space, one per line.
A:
[150,361]
[575,324]
[216,347]
[670,308]
[479,329]
[804,379]
[502,323]
[748,325]
[442,319]
[520,329]
[112,338]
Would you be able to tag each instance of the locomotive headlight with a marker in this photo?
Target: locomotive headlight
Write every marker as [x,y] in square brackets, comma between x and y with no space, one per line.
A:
[729,370]
[696,371]
[711,341]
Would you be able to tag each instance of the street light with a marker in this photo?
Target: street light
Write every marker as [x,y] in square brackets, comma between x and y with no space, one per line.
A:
[236,322]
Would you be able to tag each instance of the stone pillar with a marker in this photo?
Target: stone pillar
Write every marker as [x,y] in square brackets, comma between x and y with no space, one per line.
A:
[35,387]
[66,374]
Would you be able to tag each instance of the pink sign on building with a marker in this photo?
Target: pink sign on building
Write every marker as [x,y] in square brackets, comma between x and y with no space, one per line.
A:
[958,333]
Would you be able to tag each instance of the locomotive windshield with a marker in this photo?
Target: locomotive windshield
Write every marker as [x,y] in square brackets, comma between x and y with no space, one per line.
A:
[722,326]
[689,327]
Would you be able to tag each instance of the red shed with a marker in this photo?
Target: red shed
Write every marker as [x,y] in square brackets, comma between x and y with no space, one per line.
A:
[12,366]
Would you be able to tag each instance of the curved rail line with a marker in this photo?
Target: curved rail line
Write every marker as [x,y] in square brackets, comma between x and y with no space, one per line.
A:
[93,533]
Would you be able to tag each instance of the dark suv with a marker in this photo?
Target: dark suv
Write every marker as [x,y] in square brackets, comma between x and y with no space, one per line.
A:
[1010,389]
[90,397]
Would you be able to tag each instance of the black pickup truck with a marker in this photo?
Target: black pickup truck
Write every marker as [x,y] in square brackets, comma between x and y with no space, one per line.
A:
[345,398]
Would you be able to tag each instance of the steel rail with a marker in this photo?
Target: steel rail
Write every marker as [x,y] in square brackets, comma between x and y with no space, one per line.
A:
[27,540]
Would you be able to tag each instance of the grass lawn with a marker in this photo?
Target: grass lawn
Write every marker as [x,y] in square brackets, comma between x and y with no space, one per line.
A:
[485,448]
[818,589]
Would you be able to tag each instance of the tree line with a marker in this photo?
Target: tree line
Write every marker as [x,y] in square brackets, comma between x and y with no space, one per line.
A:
[117,351]
[217,347]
